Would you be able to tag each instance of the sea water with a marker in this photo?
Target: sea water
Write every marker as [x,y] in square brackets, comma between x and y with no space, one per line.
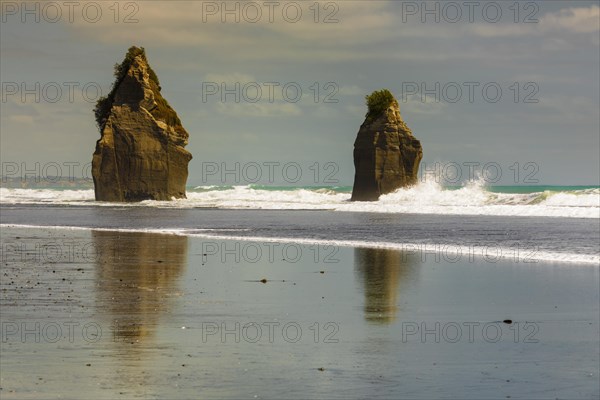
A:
[535,222]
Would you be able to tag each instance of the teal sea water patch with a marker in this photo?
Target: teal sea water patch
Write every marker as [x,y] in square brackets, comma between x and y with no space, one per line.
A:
[430,197]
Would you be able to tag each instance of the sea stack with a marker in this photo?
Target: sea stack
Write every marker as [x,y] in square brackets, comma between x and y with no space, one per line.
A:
[140,154]
[386,154]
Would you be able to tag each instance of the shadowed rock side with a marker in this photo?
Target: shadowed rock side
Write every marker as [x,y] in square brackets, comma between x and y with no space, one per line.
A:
[386,155]
[140,155]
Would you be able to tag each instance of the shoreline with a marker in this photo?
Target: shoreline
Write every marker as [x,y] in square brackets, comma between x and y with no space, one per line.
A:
[527,255]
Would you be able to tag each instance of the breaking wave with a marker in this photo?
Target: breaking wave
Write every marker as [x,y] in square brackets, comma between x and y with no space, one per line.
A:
[424,198]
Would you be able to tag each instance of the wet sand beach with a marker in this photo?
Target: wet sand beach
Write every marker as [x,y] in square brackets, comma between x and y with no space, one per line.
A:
[106,314]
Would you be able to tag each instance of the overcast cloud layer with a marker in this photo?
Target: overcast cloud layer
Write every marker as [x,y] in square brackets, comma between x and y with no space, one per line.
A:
[546,65]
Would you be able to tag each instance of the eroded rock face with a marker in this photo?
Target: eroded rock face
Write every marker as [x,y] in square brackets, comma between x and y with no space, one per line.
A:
[140,154]
[386,155]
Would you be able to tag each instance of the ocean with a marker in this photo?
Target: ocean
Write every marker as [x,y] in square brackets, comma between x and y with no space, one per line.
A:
[429,197]
[550,223]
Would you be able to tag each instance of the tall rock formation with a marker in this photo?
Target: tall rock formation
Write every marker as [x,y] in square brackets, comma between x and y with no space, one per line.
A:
[386,154]
[140,154]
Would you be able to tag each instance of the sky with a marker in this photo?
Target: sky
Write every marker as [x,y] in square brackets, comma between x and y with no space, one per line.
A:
[501,89]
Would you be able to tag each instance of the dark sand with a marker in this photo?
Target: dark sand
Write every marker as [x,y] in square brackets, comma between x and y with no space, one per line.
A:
[91,314]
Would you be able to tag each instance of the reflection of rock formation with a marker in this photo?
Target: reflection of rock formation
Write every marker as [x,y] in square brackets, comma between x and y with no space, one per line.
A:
[136,276]
[382,270]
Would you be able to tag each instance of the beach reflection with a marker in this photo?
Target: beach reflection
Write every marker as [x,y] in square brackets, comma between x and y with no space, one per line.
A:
[383,271]
[136,282]
[136,277]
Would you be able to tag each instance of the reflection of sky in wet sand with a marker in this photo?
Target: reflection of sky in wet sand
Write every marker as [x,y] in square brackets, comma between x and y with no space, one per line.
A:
[383,272]
[136,279]
[149,286]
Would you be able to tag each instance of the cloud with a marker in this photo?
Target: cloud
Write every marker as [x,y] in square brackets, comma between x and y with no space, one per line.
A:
[356,110]
[326,30]
[414,104]
[185,23]
[229,78]
[576,20]
[573,109]
[364,31]
[276,109]
[22,119]
[573,20]
[351,90]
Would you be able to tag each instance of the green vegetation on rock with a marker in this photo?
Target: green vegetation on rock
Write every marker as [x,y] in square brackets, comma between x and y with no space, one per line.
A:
[378,102]
[162,112]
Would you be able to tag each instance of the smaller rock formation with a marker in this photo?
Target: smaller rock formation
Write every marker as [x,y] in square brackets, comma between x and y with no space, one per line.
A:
[140,154]
[386,154]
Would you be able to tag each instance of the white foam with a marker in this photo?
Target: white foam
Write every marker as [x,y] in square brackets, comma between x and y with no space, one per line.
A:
[44,196]
[424,198]
[449,252]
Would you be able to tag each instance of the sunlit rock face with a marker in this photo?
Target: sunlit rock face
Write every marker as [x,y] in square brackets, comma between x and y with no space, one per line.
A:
[386,155]
[140,154]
